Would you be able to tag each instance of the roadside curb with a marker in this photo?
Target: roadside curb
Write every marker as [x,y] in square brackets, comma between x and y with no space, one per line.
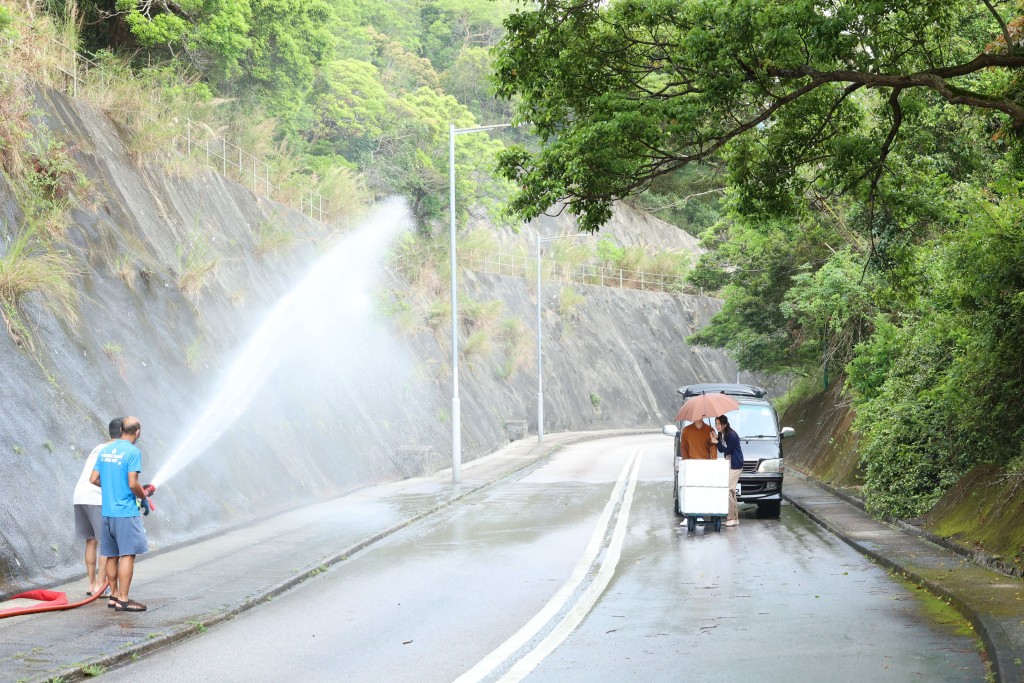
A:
[175,634]
[1006,662]
[975,556]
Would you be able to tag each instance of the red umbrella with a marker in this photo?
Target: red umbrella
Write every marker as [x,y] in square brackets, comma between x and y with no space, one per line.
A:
[706,405]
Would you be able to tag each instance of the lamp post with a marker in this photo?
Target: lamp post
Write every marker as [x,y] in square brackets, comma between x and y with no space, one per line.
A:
[540,349]
[456,416]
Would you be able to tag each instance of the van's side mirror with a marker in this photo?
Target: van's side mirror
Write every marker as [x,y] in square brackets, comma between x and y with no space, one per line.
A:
[670,430]
[787,432]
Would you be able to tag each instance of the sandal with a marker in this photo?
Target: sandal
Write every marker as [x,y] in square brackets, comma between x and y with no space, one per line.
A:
[112,602]
[129,606]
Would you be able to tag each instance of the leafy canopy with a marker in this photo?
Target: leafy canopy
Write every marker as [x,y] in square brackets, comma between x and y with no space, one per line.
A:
[797,92]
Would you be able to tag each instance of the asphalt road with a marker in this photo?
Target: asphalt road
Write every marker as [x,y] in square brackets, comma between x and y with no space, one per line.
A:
[579,570]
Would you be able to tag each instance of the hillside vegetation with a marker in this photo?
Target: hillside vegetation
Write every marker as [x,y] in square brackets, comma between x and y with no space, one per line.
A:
[855,170]
[873,225]
[322,130]
[355,96]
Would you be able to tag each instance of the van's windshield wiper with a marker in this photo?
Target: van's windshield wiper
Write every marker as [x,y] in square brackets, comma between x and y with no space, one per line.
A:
[759,436]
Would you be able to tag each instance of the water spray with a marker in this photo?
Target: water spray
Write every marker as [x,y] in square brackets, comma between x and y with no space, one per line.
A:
[335,289]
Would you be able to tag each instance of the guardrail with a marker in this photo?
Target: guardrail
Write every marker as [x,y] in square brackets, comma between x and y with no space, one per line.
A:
[518,265]
[234,162]
[199,140]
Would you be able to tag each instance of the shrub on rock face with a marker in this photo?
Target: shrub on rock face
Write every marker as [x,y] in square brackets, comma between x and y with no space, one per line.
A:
[939,386]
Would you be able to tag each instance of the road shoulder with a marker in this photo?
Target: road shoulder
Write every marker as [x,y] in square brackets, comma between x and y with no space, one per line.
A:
[992,602]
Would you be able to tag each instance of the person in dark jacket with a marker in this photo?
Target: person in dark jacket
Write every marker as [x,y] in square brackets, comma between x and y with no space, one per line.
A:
[729,445]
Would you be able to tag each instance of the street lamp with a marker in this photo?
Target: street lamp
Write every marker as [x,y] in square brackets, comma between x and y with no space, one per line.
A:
[540,350]
[456,416]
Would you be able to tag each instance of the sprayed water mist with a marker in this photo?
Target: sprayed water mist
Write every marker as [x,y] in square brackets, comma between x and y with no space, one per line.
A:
[335,295]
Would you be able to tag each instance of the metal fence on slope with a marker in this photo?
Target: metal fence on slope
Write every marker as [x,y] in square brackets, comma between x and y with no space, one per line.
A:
[518,265]
[199,141]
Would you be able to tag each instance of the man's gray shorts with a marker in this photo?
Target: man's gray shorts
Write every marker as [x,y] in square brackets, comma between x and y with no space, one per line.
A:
[88,522]
[123,536]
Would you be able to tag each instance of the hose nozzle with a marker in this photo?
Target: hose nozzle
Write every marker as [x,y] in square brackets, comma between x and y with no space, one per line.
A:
[145,504]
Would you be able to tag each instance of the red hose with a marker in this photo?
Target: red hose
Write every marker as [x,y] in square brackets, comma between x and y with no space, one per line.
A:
[36,609]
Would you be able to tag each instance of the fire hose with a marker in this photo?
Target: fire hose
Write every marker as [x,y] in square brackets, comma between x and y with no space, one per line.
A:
[55,601]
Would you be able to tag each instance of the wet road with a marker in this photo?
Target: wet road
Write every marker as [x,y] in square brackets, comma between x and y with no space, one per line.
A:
[579,570]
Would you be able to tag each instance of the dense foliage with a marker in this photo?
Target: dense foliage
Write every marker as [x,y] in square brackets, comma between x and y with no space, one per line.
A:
[357,84]
[871,223]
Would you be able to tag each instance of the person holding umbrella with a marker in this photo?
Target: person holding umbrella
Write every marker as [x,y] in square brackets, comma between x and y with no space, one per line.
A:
[698,439]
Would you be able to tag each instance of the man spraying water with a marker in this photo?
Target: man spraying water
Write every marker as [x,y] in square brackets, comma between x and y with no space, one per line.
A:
[122,537]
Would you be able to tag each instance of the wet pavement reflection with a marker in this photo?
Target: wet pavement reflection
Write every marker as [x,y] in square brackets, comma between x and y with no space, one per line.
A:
[773,599]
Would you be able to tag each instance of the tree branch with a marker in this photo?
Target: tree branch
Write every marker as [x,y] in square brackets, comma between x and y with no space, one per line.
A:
[1002,26]
[933,79]
[897,120]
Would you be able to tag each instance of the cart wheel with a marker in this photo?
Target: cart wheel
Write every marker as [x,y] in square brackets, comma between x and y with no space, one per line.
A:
[718,524]
[691,523]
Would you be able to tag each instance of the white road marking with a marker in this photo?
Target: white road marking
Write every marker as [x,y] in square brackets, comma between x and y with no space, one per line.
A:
[589,598]
[486,665]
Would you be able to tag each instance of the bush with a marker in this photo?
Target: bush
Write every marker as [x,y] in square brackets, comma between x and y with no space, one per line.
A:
[938,388]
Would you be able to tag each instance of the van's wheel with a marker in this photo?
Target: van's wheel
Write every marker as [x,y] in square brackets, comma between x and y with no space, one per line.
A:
[718,524]
[771,508]
[691,523]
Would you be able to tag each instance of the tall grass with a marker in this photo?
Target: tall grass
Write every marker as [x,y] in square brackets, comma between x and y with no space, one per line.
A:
[439,315]
[15,125]
[41,48]
[271,236]
[346,195]
[640,259]
[512,335]
[125,270]
[54,182]
[479,315]
[477,344]
[569,301]
[423,264]
[195,263]
[28,267]
[41,169]
[115,353]
[571,252]
[480,239]
[154,104]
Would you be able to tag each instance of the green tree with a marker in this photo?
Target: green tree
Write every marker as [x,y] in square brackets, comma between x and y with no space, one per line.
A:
[451,26]
[411,156]
[350,108]
[758,261]
[267,50]
[796,93]
[470,80]
[938,390]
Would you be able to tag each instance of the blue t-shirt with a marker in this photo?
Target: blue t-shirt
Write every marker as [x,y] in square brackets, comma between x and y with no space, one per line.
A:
[114,462]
